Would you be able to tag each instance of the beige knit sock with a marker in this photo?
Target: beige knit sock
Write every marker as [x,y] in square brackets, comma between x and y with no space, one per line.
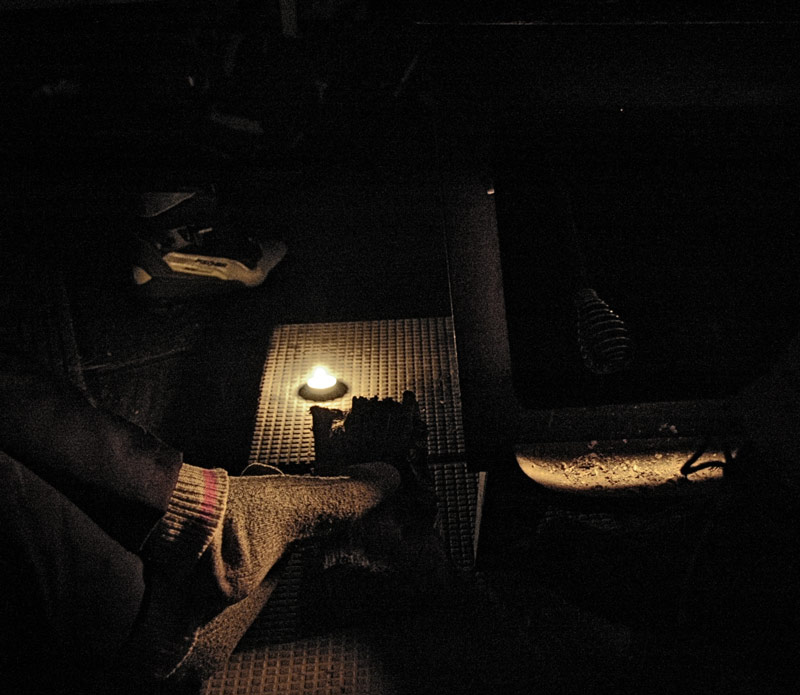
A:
[176,604]
[220,538]
[266,514]
[194,514]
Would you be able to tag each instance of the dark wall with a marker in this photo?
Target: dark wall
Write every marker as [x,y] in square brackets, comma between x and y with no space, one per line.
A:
[657,160]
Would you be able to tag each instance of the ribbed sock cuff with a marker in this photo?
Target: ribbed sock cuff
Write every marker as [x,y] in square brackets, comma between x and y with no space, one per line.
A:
[194,514]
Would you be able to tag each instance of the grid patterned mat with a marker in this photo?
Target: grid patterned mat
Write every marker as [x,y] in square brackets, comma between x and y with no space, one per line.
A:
[341,663]
[374,358]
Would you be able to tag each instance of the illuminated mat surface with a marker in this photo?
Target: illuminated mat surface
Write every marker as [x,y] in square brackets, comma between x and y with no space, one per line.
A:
[374,358]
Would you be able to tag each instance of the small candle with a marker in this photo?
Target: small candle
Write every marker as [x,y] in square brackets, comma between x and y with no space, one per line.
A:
[322,386]
[321,378]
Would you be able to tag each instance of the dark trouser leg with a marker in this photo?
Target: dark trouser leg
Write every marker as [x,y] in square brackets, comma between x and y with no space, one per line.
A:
[70,594]
[117,473]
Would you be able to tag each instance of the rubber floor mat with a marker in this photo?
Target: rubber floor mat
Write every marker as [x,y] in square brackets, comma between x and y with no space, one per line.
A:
[374,358]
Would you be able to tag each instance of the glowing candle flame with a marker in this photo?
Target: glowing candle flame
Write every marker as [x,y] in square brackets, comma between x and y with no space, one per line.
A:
[321,378]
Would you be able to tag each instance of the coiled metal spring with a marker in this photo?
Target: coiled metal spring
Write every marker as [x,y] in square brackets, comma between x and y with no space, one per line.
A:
[603,338]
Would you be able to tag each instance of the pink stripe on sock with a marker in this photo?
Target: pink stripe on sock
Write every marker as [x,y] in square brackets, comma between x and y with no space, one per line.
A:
[210,492]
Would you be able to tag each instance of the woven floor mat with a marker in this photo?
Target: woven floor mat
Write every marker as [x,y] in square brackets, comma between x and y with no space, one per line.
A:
[374,358]
[35,314]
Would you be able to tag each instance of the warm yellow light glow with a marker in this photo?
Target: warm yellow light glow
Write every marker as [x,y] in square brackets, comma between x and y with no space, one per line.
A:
[321,378]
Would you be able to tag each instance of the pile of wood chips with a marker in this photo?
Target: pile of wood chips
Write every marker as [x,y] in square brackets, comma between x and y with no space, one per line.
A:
[393,560]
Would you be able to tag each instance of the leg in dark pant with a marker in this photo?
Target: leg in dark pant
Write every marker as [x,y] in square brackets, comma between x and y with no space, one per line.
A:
[70,594]
[117,473]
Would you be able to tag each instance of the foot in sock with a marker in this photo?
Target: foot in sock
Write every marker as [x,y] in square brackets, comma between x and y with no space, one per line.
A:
[221,537]
[266,514]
